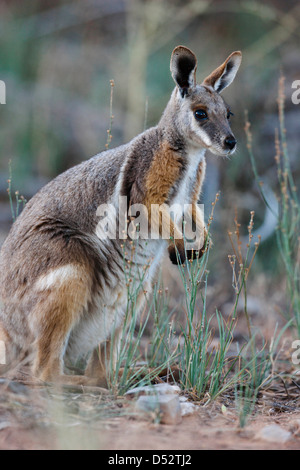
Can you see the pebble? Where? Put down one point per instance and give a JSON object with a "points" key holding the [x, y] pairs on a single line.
{"points": [[274, 433], [167, 406], [4, 425], [187, 408], [158, 389]]}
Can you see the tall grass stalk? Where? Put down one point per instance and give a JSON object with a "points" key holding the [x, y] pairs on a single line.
{"points": [[258, 372], [210, 370], [16, 202], [120, 376], [109, 131], [163, 339], [241, 265], [130, 368], [288, 226], [206, 369]]}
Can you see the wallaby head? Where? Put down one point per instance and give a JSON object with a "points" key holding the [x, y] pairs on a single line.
{"points": [[199, 112]]}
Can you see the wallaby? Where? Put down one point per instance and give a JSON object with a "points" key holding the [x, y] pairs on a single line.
{"points": [[62, 288]]}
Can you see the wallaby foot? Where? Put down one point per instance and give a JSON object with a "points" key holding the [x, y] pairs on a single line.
{"points": [[104, 358]]}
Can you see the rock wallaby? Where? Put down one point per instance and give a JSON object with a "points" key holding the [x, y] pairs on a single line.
{"points": [[62, 287]]}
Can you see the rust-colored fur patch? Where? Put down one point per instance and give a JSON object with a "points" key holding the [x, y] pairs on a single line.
{"points": [[61, 308], [162, 176], [3, 334]]}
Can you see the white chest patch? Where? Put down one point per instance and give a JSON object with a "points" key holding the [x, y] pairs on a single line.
{"points": [[187, 184]]}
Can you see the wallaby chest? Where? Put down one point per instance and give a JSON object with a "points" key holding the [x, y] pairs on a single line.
{"points": [[181, 194]]}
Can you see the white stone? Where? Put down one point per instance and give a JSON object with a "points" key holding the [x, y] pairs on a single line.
{"points": [[274, 433], [166, 406], [187, 408], [158, 389]]}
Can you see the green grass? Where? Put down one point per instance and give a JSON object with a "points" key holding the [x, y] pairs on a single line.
{"points": [[203, 350], [16, 202], [127, 372], [288, 218]]}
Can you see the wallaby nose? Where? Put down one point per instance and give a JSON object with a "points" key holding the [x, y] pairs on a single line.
{"points": [[230, 142]]}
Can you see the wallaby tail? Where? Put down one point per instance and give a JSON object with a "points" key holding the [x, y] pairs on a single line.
{"points": [[12, 357]]}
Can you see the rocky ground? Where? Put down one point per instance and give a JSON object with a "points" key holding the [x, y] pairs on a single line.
{"points": [[40, 418]]}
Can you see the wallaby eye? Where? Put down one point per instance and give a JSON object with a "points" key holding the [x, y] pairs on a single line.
{"points": [[229, 113], [200, 115]]}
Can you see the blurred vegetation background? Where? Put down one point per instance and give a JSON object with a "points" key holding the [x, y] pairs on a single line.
{"points": [[57, 58]]}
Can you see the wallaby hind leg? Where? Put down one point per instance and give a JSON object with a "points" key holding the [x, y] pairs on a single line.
{"points": [[104, 359], [60, 307]]}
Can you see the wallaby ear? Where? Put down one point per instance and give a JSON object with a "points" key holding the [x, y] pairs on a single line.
{"points": [[183, 68], [224, 75]]}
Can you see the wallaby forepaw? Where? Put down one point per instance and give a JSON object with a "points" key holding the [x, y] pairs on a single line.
{"points": [[178, 255]]}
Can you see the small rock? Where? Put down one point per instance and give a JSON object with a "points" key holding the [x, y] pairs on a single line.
{"points": [[18, 388], [168, 407], [274, 433], [4, 425], [295, 427], [158, 389], [187, 408]]}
